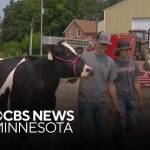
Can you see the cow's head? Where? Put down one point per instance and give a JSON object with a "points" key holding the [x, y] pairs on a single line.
{"points": [[69, 63]]}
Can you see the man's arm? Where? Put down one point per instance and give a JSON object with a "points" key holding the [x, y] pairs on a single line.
{"points": [[113, 97], [138, 93], [109, 103], [137, 88]]}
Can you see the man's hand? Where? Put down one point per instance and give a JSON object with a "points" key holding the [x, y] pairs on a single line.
{"points": [[109, 109], [113, 97], [87, 71], [140, 106], [139, 96], [120, 114]]}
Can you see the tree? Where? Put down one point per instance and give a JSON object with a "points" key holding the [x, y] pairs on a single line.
{"points": [[94, 9], [57, 16], [112, 2], [11, 49], [17, 19], [35, 45], [25, 45]]}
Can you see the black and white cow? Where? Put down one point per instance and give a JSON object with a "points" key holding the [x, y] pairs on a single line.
{"points": [[29, 83]]}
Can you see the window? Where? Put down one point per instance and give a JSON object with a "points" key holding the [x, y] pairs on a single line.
{"points": [[71, 33], [78, 33]]}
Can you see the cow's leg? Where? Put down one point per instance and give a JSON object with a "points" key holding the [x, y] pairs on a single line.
{"points": [[52, 102], [53, 138], [16, 103]]}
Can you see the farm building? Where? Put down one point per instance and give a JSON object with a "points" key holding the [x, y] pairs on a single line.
{"points": [[127, 15], [81, 29]]}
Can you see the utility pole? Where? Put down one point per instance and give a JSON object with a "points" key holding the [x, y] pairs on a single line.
{"points": [[42, 12], [31, 37]]}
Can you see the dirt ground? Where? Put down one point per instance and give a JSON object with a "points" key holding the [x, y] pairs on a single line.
{"points": [[67, 95], [139, 139]]}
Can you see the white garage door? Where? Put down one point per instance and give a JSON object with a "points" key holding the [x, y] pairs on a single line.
{"points": [[140, 23]]}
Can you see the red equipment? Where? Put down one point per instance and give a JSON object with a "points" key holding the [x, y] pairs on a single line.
{"points": [[115, 38], [144, 79]]}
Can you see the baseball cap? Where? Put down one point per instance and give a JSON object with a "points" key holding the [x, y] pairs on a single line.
{"points": [[104, 38]]}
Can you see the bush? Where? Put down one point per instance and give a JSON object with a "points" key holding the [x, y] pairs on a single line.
{"points": [[35, 44], [11, 49]]}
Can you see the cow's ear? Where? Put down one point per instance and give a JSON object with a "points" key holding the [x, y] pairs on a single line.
{"points": [[50, 57]]}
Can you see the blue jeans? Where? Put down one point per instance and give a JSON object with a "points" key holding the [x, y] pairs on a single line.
{"points": [[126, 124], [93, 119]]}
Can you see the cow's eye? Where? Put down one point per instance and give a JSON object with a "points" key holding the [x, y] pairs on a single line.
{"points": [[67, 54]]}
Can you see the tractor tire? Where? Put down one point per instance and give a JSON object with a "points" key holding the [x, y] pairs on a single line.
{"points": [[146, 66], [144, 51], [143, 54]]}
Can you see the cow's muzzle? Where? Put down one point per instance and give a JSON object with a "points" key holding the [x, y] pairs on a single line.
{"points": [[87, 71]]}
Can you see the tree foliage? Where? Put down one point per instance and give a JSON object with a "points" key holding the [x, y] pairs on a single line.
{"points": [[17, 19], [35, 44], [11, 49], [57, 15]]}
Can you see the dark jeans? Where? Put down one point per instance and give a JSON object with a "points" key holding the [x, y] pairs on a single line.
{"points": [[126, 124], [93, 120]]}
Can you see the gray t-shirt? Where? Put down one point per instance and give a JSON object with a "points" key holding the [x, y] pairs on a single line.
{"points": [[93, 88], [127, 72]]}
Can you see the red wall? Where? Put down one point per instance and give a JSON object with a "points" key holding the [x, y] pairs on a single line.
{"points": [[74, 27]]}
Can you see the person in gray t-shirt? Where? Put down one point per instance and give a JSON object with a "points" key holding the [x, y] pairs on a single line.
{"points": [[93, 92], [128, 90]]}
